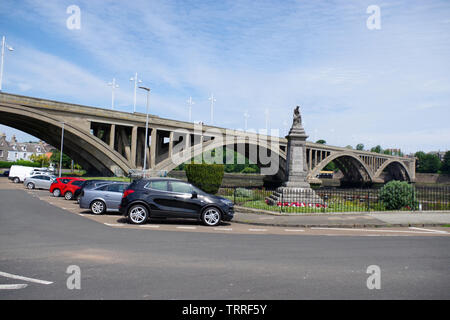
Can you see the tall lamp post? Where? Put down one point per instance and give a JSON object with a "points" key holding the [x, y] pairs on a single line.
{"points": [[114, 87], [190, 102], [212, 99], [4, 45], [62, 146], [246, 116], [136, 81], [146, 128]]}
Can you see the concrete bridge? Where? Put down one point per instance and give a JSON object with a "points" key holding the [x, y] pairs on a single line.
{"points": [[109, 142]]}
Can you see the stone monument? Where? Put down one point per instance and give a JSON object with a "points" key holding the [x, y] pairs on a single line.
{"points": [[295, 189]]}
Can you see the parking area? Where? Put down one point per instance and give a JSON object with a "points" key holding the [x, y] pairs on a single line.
{"points": [[115, 220]]}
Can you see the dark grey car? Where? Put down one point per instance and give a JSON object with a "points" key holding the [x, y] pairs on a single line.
{"points": [[104, 198], [41, 181]]}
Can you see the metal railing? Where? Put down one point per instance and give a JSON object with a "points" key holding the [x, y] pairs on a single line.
{"points": [[341, 200]]}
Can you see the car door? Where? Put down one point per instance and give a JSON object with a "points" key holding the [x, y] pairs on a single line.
{"points": [[45, 182], [183, 203], [113, 195], [157, 195]]}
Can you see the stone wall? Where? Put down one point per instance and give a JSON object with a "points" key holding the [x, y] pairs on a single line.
{"points": [[432, 178]]}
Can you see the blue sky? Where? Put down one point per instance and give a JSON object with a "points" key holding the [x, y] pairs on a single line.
{"points": [[389, 86]]}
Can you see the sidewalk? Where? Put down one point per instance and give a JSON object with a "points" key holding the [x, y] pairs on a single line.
{"points": [[347, 220]]}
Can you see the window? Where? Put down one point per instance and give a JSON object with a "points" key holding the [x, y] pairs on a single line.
{"points": [[116, 187], [77, 182], [181, 187], [1, 153], [157, 185]]}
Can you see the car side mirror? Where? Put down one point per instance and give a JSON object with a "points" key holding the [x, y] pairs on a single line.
{"points": [[194, 195]]}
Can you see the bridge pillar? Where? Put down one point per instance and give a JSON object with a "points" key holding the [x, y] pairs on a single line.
{"points": [[112, 136], [153, 148], [133, 146]]}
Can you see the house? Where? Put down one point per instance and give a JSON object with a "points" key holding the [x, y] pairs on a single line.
{"points": [[13, 150]]}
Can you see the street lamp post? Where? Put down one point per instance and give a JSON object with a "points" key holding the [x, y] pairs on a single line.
{"points": [[62, 146], [212, 99], [4, 45], [146, 128], [246, 116], [190, 108], [114, 86], [136, 81]]}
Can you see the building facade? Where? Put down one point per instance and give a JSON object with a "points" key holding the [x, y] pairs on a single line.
{"points": [[13, 150]]}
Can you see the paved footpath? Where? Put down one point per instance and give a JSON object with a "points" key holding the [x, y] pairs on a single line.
{"points": [[357, 220]]}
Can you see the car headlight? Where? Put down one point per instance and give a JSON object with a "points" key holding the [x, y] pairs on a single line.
{"points": [[227, 202]]}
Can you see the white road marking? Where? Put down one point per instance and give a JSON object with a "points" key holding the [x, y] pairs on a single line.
{"points": [[223, 229], [114, 224], [369, 230], [294, 230], [12, 286], [257, 229], [432, 230], [149, 226], [13, 276], [187, 228]]}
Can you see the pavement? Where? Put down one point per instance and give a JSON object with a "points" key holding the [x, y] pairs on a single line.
{"points": [[347, 220]]}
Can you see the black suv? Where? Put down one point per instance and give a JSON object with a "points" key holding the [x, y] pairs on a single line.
{"points": [[171, 198]]}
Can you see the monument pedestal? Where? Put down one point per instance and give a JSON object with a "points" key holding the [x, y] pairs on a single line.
{"points": [[295, 190]]}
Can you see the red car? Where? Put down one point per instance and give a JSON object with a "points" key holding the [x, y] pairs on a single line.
{"points": [[70, 188], [58, 186]]}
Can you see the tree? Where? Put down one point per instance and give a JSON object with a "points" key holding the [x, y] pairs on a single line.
{"points": [[376, 149], [445, 167], [42, 159], [321, 141], [359, 146], [66, 161], [427, 162], [349, 147]]}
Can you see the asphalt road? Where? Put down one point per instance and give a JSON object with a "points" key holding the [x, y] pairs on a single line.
{"points": [[40, 241]]}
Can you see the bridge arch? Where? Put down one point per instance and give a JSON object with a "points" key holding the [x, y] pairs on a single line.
{"points": [[397, 170], [240, 145], [87, 150], [353, 168]]}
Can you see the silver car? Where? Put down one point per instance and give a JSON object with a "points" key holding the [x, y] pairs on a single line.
{"points": [[103, 198], [40, 181]]}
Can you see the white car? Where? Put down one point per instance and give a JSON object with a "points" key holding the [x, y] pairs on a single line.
{"points": [[19, 173]]}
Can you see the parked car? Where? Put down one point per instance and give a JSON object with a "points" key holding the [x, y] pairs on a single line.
{"points": [[19, 173], [6, 173], [91, 184], [103, 198], [70, 188], [57, 186], [40, 181], [172, 198]]}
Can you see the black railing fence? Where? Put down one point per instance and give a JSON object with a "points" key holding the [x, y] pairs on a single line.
{"points": [[407, 198]]}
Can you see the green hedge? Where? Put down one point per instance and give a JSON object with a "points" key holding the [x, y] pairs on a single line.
{"points": [[207, 177], [8, 164], [396, 195]]}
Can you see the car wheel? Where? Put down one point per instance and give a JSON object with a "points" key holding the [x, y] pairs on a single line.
{"points": [[30, 185], [56, 193], [68, 195], [98, 207], [16, 180], [138, 214], [211, 216]]}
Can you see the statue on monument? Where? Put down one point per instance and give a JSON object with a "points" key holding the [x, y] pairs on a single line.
{"points": [[297, 118]]}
